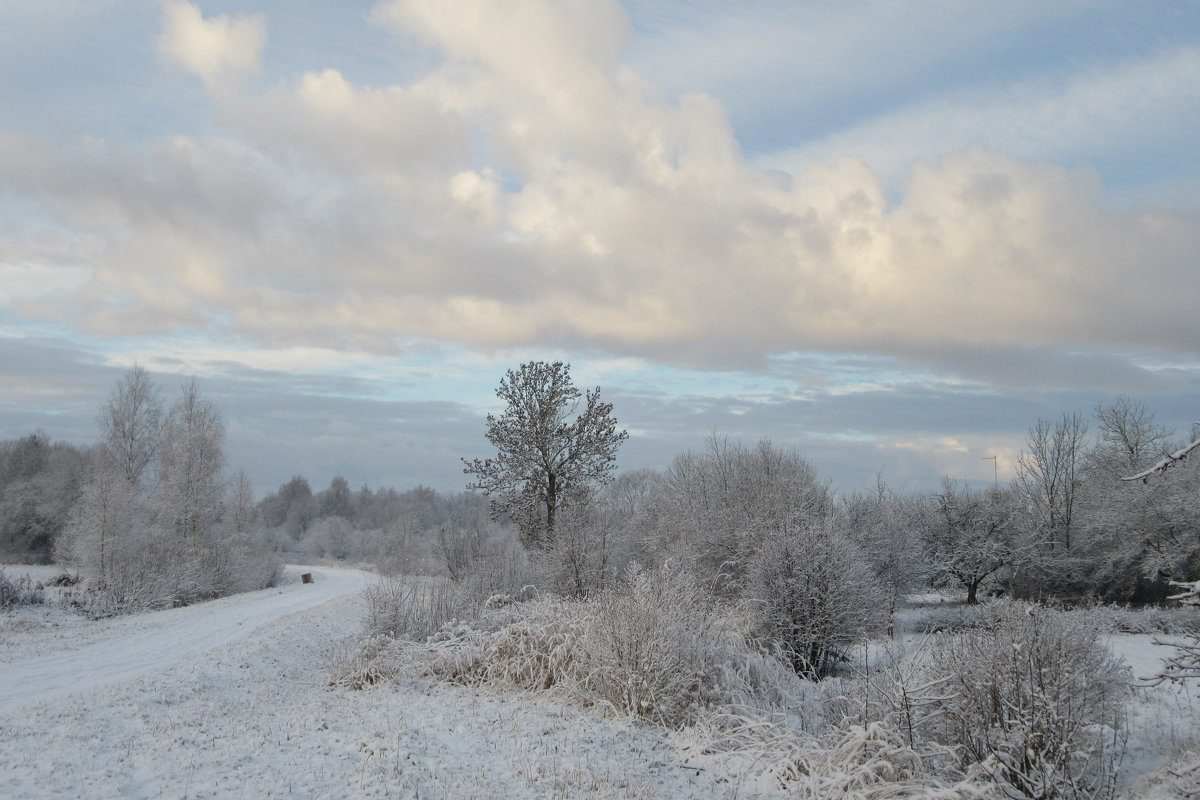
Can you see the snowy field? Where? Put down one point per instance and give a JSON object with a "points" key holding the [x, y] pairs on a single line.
{"points": [[231, 699]]}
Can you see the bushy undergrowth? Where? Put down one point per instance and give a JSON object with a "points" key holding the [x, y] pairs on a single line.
{"points": [[649, 647], [1019, 701], [1031, 693], [19, 592], [873, 762], [416, 608], [1149, 619]]}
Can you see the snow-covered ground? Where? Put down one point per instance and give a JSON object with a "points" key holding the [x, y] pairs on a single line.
{"points": [[83, 658], [230, 699]]}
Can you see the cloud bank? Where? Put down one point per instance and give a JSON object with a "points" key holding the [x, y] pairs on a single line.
{"points": [[530, 189]]}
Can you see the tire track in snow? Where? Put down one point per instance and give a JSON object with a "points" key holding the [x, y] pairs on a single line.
{"points": [[145, 643]]}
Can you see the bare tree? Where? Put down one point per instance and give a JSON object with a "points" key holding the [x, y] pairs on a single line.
{"points": [[130, 423], [544, 460], [1128, 434], [1049, 474], [191, 460]]}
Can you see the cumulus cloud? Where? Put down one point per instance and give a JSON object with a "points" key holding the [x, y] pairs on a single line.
{"points": [[214, 49], [530, 189]]}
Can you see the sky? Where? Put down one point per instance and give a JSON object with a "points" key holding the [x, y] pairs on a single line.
{"points": [[891, 235]]}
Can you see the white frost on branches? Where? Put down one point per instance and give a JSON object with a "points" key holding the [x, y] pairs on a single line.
{"points": [[1168, 461]]}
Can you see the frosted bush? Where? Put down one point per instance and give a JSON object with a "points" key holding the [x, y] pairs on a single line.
{"points": [[366, 662], [1036, 694], [648, 648], [18, 592], [872, 762], [415, 608], [814, 595]]}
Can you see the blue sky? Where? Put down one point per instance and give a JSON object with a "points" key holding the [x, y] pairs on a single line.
{"points": [[890, 234]]}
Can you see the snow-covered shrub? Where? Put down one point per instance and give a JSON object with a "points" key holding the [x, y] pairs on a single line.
{"points": [[873, 762], [19, 592], [1146, 619], [648, 647], [814, 596], [539, 649], [364, 662], [415, 608], [1035, 694], [504, 568], [652, 647]]}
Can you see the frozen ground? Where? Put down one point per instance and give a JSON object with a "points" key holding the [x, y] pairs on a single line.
{"points": [[229, 699]]}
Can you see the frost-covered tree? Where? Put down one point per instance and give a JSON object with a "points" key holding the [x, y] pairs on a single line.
{"points": [[292, 507], [336, 501], [176, 539], [1129, 531], [39, 482], [883, 525], [241, 512], [967, 536], [719, 505], [545, 459], [130, 426], [106, 516], [191, 459]]}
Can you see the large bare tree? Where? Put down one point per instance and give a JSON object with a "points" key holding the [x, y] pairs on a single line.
{"points": [[545, 460]]}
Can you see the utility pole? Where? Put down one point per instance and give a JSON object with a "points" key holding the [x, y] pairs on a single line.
{"points": [[995, 469]]}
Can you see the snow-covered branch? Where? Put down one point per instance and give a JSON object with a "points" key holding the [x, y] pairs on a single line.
{"points": [[1168, 461]]}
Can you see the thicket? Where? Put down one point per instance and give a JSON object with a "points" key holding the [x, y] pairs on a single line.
{"points": [[155, 522]]}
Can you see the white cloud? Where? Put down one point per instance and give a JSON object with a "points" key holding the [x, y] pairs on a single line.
{"points": [[214, 49], [531, 191]]}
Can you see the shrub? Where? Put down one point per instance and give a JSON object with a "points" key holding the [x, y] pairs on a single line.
{"points": [[19, 592], [1036, 694], [648, 647], [414, 609], [813, 593], [872, 762]]}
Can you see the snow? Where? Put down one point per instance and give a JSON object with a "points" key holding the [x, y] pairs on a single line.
{"points": [[118, 650], [230, 699]]}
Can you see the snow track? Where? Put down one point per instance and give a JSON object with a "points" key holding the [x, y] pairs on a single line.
{"points": [[120, 650]]}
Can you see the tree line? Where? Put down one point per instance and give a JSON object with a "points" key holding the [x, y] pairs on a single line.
{"points": [[153, 498]]}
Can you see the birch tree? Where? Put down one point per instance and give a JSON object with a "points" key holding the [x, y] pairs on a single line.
{"points": [[191, 459], [130, 424]]}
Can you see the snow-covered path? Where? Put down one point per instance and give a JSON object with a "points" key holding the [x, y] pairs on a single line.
{"points": [[123, 649]]}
